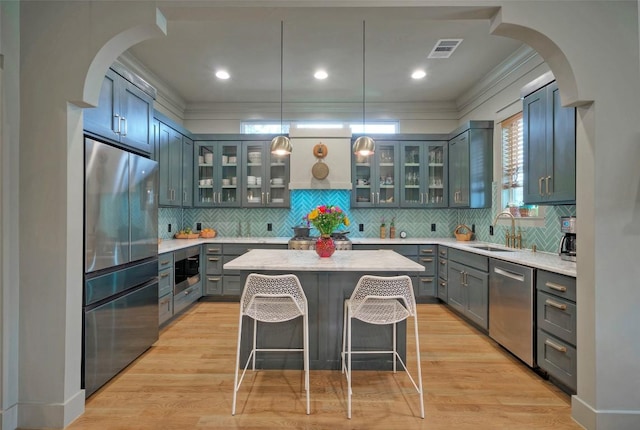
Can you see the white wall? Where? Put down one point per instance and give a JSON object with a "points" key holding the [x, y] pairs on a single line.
{"points": [[9, 217]]}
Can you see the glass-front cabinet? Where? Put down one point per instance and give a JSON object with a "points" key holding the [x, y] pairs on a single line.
{"points": [[217, 176], [423, 174], [265, 176], [375, 177]]}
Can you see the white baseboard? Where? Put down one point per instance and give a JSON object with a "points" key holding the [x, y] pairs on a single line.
{"points": [[9, 418], [593, 419], [51, 415]]}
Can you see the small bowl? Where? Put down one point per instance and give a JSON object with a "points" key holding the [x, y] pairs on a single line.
{"points": [[226, 182]]}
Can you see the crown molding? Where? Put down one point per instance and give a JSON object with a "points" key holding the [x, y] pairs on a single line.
{"points": [[517, 64]]}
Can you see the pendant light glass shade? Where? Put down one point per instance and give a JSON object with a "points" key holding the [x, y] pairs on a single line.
{"points": [[363, 145], [280, 145]]}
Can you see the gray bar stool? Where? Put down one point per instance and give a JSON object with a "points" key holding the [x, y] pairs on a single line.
{"points": [[382, 301], [272, 299]]}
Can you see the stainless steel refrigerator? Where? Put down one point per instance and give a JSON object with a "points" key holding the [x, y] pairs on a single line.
{"points": [[120, 318]]}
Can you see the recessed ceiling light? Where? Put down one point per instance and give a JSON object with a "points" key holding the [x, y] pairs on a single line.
{"points": [[222, 74], [418, 74], [320, 75]]}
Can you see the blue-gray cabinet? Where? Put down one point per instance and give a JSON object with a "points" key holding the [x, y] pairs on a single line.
{"points": [[124, 112], [443, 265], [423, 174], [549, 148], [470, 165], [217, 175], [265, 176], [556, 319], [468, 286], [375, 177], [174, 154]]}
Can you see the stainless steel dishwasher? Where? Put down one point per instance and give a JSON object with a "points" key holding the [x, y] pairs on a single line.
{"points": [[511, 311]]}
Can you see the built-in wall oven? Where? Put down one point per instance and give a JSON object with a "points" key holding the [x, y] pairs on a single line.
{"points": [[187, 268]]}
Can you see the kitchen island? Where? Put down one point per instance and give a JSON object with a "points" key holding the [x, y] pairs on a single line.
{"points": [[327, 282]]}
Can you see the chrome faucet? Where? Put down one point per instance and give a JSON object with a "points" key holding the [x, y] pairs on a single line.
{"points": [[511, 240]]}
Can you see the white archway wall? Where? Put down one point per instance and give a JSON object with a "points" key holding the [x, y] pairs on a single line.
{"points": [[50, 280], [9, 218], [60, 41]]}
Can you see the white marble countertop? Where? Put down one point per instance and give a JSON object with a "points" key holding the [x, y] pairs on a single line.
{"points": [[380, 260], [538, 260]]}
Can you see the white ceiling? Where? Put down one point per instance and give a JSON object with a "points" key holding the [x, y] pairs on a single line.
{"points": [[246, 42]]}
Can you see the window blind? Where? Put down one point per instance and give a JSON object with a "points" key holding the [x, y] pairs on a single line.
{"points": [[512, 152]]}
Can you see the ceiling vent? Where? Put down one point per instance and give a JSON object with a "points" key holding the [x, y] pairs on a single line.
{"points": [[444, 48]]}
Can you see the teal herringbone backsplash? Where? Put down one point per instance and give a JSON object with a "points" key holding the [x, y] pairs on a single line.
{"points": [[416, 222]]}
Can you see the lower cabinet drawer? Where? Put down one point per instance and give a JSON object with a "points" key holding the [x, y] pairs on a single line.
{"points": [[442, 267], [165, 304], [186, 297], [557, 316], [427, 286], [429, 263], [165, 282], [212, 285], [231, 285], [558, 358], [442, 289]]}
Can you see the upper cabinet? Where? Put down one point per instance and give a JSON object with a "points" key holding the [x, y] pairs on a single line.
{"points": [[174, 154], [549, 148], [217, 177], [470, 165], [423, 174], [375, 177], [265, 176], [124, 113]]}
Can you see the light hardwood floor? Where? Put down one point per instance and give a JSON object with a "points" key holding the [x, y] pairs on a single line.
{"points": [[185, 381]]}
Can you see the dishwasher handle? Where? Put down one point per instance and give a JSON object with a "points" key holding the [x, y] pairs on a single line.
{"points": [[515, 276]]}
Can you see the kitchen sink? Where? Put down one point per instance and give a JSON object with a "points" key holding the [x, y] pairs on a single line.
{"points": [[491, 248]]}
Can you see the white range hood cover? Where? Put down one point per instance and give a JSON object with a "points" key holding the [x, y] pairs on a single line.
{"points": [[338, 159]]}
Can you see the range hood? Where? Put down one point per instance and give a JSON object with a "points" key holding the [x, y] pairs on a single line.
{"points": [[337, 159]]}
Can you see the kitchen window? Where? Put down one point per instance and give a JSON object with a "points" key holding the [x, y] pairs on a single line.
{"points": [[266, 127], [513, 168]]}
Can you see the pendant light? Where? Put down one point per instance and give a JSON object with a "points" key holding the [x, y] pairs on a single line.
{"points": [[281, 145], [364, 145]]}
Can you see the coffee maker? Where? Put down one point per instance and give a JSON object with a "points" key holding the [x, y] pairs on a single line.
{"points": [[567, 249]]}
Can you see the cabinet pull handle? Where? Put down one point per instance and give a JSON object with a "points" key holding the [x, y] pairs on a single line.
{"points": [[443, 253], [187, 292], [214, 259], [193, 258], [164, 302], [162, 263], [556, 305], [427, 251], [547, 185], [540, 185], [378, 197], [211, 250], [555, 346], [556, 287], [184, 195], [508, 274], [443, 263], [426, 280], [117, 119], [443, 284], [262, 198], [373, 198], [123, 119], [164, 275], [427, 260], [421, 198], [217, 279], [268, 198]]}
